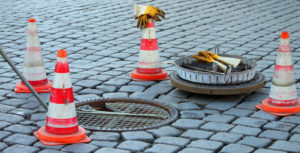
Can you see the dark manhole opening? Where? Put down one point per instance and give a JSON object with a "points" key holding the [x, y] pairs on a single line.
{"points": [[124, 114]]}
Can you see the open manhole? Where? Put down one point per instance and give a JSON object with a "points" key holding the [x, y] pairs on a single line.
{"points": [[124, 114]]}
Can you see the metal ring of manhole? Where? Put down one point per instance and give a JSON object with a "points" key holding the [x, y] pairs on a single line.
{"points": [[124, 114], [256, 83]]}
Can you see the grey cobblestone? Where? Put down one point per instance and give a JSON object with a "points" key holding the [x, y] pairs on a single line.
{"points": [[275, 125], [42, 146], [196, 134], [139, 135], [142, 95], [106, 88], [188, 106], [206, 144], [255, 142], [50, 151], [238, 112], [192, 114], [247, 121], [164, 88], [112, 150], [267, 151], [90, 91], [20, 148], [115, 95], [22, 111], [179, 93], [6, 108], [201, 99], [88, 83], [158, 148], [296, 130], [291, 119], [225, 103], [131, 88], [248, 105], [4, 124], [219, 118], [226, 137], [80, 148], [38, 116], [237, 148], [246, 130], [193, 150], [31, 105], [117, 82], [20, 139], [272, 134], [165, 131], [169, 99], [187, 123], [11, 118], [181, 142], [135, 146], [104, 143], [257, 97], [295, 138], [215, 126], [4, 134], [264, 115], [106, 136], [2, 146], [285, 146], [21, 129]]}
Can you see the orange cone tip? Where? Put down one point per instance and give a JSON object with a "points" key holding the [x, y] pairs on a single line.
{"points": [[62, 53], [285, 35], [31, 20]]}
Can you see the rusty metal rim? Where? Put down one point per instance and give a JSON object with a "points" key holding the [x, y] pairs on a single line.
{"points": [[256, 83], [101, 102]]}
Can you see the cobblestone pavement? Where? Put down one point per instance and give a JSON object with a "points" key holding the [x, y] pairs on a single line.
{"points": [[103, 45]]}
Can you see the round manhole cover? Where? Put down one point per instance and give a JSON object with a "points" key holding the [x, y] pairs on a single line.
{"points": [[123, 114]]}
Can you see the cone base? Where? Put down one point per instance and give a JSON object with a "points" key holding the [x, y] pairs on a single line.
{"points": [[60, 139], [149, 77], [22, 88], [279, 110]]}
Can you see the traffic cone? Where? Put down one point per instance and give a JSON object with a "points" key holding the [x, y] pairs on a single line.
{"points": [[282, 99], [149, 66], [33, 66], [61, 125]]}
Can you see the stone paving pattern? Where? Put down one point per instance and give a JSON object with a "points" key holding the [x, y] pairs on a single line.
{"points": [[103, 45]]}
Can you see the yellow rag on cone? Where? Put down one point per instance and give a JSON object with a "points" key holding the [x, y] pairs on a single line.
{"points": [[142, 13]]}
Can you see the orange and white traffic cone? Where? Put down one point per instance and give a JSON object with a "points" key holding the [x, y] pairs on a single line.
{"points": [[149, 66], [61, 125], [282, 99], [33, 66]]}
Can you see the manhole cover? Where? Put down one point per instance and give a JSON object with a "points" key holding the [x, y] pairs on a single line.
{"points": [[124, 114]]}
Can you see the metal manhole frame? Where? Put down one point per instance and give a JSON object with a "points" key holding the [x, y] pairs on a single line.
{"points": [[173, 112], [215, 78], [243, 88]]}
